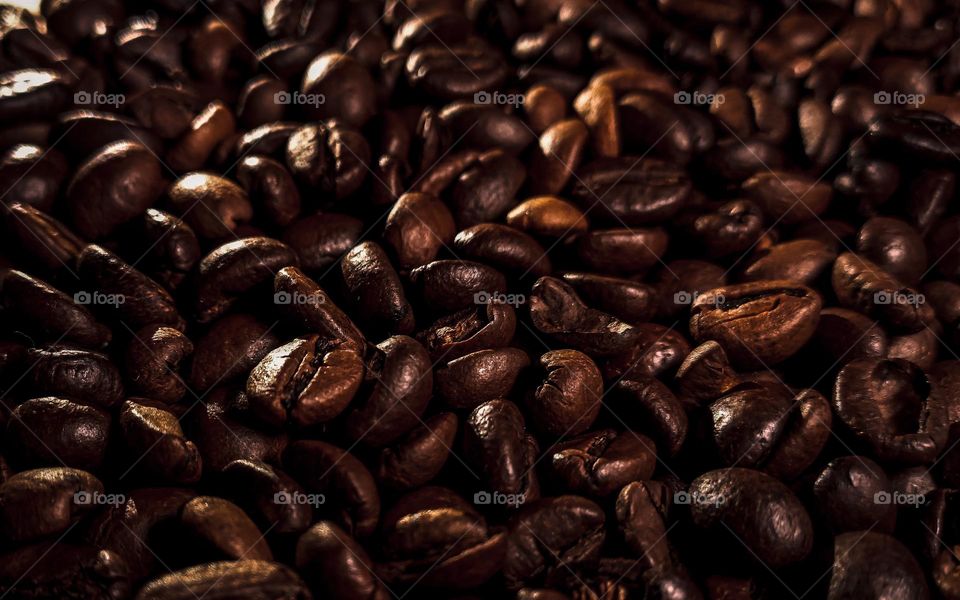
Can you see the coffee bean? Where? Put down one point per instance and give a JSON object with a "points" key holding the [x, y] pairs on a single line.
{"points": [[153, 436], [497, 445], [254, 577], [568, 399], [337, 564], [757, 323], [469, 380], [376, 291], [45, 431], [601, 463], [419, 456], [153, 359], [855, 566], [39, 503]]}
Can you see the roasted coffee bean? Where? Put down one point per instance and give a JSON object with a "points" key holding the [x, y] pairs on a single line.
{"points": [[861, 556], [557, 310], [153, 435], [334, 562], [420, 455], [265, 493], [313, 309], [568, 399], [922, 135], [451, 285], [344, 86], [506, 248], [486, 190], [895, 247], [270, 188], [457, 71], [761, 512], [885, 403], [497, 445], [621, 250], [862, 285], [480, 376], [234, 269], [561, 149], [213, 206], [112, 187], [650, 406], [32, 93], [551, 535], [214, 124], [219, 527], [32, 176], [853, 494], [757, 323], [320, 240], [399, 380], [46, 432], [65, 569], [117, 287], [49, 313], [223, 438], [232, 346], [256, 578], [341, 479], [328, 158], [306, 382], [548, 216], [600, 463], [171, 248], [46, 502], [632, 191], [82, 375], [376, 291], [152, 362], [418, 226], [49, 243], [803, 261], [491, 325]]}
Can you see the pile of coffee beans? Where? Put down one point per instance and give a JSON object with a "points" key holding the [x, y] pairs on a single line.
{"points": [[468, 299]]}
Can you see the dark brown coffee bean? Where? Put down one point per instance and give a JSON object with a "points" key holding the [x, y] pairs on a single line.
{"points": [[568, 399], [480, 376], [851, 492], [375, 290], [632, 191], [399, 380], [170, 248], [344, 482], [49, 313], [136, 299], [320, 240], [788, 197], [757, 323], [417, 227], [305, 382], [548, 216], [222, 438], [554, 534], [157, 445], [30, 93], [32, 176], [597, 106], [598, 464], [419, 456], [88, 377], [220, 527], [343, 87], [46, 502], [505, 248], [235, 268], [456, 71], [231, 347], [860, 557], [485, 191], [561, 149], [65, 569], [491, 325], [761, 512], [329, 158], [433, 526], [451, 285], [47, 241], [862, 285], [557, 310], [305, 304], [256, 578], [46, 432], [335, 563], [621, 250], [270, 187], [802, 261], [653, 408], [497, 444], [214, 124], [112, 187], [213, 206], [153, 360], [895, 247]]}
